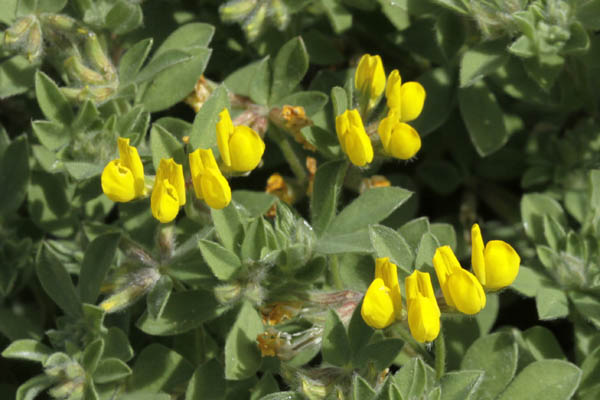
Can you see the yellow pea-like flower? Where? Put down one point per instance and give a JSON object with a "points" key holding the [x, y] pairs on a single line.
{"points": [[241, 147], [169, 191], [398, 139], [423, 311], [209, 183], [382, 304], [497, 265], [461, 288], [123, 179], [353, 138], [369, 77], [406, 99]]}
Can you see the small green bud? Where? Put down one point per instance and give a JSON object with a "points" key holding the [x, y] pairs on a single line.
{"points": [[71, 389], [139, 283], [78, 71], [280, 14], [228, 293], [253, 25], [236, 10], [17, 33], [97, 57], [33, 46], [60, 22]]}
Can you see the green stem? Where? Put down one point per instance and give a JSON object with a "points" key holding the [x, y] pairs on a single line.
{"points": [[334, 268], [292, 158], [440, 355], [403, 333]]}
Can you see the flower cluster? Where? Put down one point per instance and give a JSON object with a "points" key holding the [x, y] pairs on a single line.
{"points": [[404, 104], [240, 148], [496, 266]]}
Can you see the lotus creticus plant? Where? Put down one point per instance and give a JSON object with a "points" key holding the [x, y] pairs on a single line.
{"points": [[209, 183], [398, 139], [241, 147], [460, 287], [353, 138], [423, 310], [497, 265], [405, 100], [382, 304], [123, 179], [169, 191]]}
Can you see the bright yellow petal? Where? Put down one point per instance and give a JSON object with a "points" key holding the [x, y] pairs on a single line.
{"points": [[215, 189], [466, 292], [378, 308], [388, 272], [171, 171], [358, 148], [405, 142], [392, 91], [246, 149], [118, 183], [131, 159], [361, 76], [341, 127], [502, 264], [164, 201], [196, 169], [377, 78], [224, 131], [385, 130], [424, 319], [413, 99], [477, 260]]}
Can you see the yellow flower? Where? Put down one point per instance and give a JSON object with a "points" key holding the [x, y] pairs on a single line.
{"points": [[460, 287], [497, 265], [352, 136], [123, 178], [369, 77], [407, 99], [209, 182], [169, 191], [423, 311], [382, 303], [241, 147], [398, 139]]}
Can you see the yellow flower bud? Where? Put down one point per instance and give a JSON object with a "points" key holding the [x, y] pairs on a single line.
{"points": [[497, 265], [407, 99], [209, 182], [169, 191], [353, 138], [397, 138], [382, 303], [123, 179], [460, 287], [241, 147], [423, 311], [370, 76]]}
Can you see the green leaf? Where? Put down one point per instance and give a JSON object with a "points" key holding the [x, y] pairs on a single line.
{"points": [[397, 13], [544, 69], [551, 303], [116, 345], [111, 370], [159, 368], [265, 386], [427, 246], [590, 368], [255, 239], [483, 118], [207, 383], [164, 91], [481, 60], [242, 357], [460, 385], [588, 13], [157, 298], [289, 67], [14, 175], [359, 332], [124, 17], [159, 64], [27, 349], [56, 282], [91, 355], [97, 260], [548, 379], [496, 355], [356, 242], [529, 281], [339, 17], [229, 226], [187, 37], [311, 101], [53, 103], [52, 135], [445, 234], [411, 379], [381, 353], [34, 386], [533, 208], [256, 203], [222, 262], [17, 75], [370, 207], [361, 390], [339, 99], [16, 326], [336, 345], [439, 84], [389, 243], [184, 311], [260, 84], [164, 145], [414, 230], [204, 130], [454, 5], [133, 59], [327, 186], [542, 344]]}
